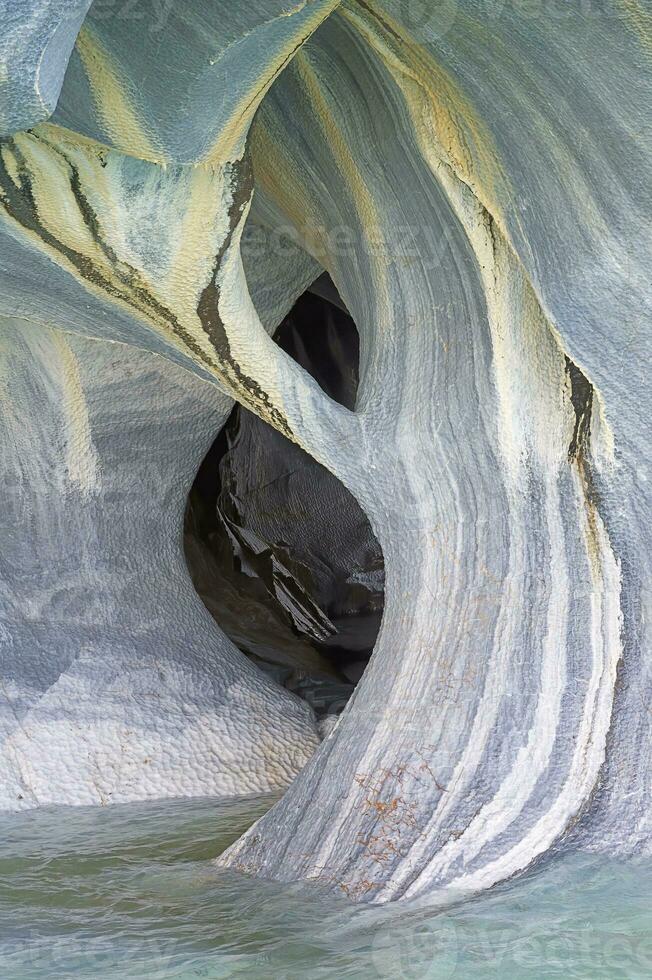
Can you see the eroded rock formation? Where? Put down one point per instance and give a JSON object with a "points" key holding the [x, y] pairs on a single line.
{"points": [[474, 182]]}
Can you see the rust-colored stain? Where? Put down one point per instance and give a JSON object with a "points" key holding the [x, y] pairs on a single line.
{"points": [[394, 814]]}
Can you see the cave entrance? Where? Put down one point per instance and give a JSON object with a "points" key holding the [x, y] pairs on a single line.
{"points": [[279, 551]]}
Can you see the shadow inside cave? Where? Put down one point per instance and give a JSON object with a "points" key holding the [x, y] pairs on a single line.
{"points": [[278, 549]]}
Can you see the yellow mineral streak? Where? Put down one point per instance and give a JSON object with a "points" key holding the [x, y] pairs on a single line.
{"points": [[461, 154], [49, 170], [55, 205], [192, 202], [339, 148], [231, 141], [113, 100], [81, 459], [464, 141], [291, 193], [640, 20], [201, 233], [363, 200]]}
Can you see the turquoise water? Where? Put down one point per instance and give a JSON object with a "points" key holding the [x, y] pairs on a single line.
{"points": [[129, 892]]}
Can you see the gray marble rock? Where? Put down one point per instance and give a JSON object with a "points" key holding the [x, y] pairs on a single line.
{"points": [[474, 176]]}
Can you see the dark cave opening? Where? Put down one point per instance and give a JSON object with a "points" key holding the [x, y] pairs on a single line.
{"points": [[279, 551]]}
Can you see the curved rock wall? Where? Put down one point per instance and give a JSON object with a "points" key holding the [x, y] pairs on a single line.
{"points": [[117, 683], [475, 182], [478, 733]]}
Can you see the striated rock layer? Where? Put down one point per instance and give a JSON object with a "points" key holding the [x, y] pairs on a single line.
{"points": [[474, 182]]}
